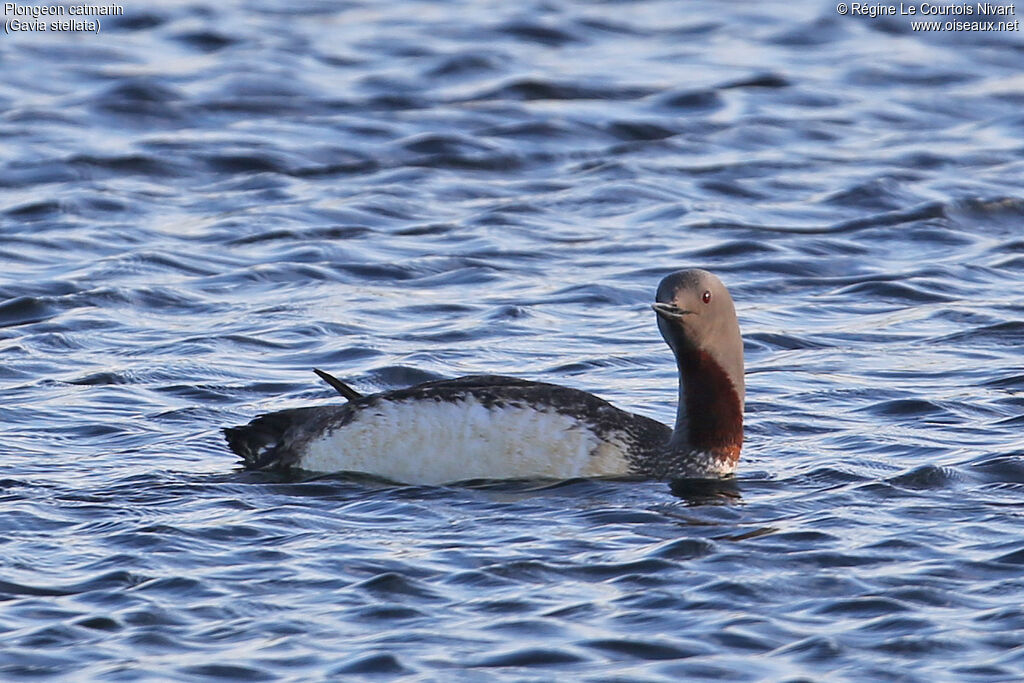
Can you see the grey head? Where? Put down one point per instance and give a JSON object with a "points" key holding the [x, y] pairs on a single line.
{"points": [[696, 313], [697, 318]]}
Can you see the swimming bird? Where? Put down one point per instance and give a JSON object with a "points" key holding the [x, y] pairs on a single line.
{"points": [[495, 427]]}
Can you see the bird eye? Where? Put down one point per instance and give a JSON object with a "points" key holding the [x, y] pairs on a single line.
{"points": [[706, 297]]}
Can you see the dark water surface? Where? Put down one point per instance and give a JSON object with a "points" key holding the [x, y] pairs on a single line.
{"points": [[202, 202]]}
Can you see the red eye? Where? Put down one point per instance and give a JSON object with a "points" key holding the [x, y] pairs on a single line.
{"points": [[706, 297]]}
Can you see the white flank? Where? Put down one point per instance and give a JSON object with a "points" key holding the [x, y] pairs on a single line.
{"points": [[438, 442]]}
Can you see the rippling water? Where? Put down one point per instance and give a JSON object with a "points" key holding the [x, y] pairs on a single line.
{"points": [[202, 202]]}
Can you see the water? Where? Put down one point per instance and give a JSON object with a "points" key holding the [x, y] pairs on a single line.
{"points": [[202, 202]]}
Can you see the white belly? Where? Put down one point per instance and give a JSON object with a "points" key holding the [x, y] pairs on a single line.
{"points": [[438, 442]]}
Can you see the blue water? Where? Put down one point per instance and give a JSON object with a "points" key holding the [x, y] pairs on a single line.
{"points": [[204, 201]]}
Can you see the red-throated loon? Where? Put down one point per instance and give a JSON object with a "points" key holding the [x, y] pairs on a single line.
{"points": [[493, 427]]}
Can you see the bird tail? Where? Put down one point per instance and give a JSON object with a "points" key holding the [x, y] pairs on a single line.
{"points": [[265, 443]]}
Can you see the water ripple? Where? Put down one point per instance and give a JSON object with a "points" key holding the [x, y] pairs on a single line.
{"points": [[204, 204]]}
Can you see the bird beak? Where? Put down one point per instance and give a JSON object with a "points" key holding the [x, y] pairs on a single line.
{"points": [[669, 311]]}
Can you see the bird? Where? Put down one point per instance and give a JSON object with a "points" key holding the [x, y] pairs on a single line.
{"points": [[498, 427]]}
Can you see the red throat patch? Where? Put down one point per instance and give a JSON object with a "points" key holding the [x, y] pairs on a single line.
{"points": [[714, 415]]}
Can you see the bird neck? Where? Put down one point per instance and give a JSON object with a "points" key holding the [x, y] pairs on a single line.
{"points": [[709, 417]]}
